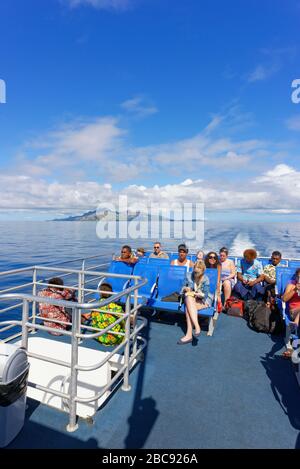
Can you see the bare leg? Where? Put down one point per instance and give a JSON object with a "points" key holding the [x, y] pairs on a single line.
{"points": [[191, 318], [227, 289], [295, 316]]}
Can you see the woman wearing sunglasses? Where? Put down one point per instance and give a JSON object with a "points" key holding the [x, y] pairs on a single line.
{"points": [[212, 262]]}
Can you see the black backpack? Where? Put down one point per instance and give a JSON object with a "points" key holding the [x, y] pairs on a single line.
{"points": [[261, 318]]}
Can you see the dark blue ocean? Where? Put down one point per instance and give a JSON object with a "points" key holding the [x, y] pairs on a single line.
{"points": [[34, 243]]}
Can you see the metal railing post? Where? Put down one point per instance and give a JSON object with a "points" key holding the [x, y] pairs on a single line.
{"points": [[80, 287], [25, 314], [34, 293], [135, 302], [72, 425], [126, 386]]}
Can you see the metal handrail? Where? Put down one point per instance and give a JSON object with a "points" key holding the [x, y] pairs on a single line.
{"points": [[28, 323]]}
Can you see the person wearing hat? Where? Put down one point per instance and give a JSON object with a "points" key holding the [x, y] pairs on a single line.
{"points": [[182, 259], [140, 252]]}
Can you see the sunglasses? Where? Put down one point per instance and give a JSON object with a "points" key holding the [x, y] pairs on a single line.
{"points": [[212, 257], [156, 247]]}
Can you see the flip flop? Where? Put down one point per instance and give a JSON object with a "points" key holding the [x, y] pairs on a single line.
{"points": [[287, 354], [183, 342]]}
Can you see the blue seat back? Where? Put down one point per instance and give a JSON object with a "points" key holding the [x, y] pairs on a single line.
{"points": [[117, 267], [170, 280], [264, 262], [150, 272], [212, 274], [283, 276], [294, 264], [143, 260], [157, 262]]}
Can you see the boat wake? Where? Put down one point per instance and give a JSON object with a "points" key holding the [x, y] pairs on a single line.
{"points": [[241, 242]]}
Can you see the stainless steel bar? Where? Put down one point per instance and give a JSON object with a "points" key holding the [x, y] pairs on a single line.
{"points": [[49, 390], [72, 304], [34, 293], [19, 287], [25, 314], [16, 271], [10, 308], [48, 359], [72, 426], [126, 386]]}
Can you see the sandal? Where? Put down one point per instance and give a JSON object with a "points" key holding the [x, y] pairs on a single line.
{"points": [[287, 354]]}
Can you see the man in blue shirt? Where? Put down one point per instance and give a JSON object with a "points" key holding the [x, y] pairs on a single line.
{"points": [[249, 277]]}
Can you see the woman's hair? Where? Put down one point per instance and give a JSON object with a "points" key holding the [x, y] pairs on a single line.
{"points": [[297, 273], [141, 250], [56, 281], [250, 254], [200, 250], [207, 260], [223, 249], [200, 265]]}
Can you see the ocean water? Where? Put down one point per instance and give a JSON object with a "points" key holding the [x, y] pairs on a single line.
{"points": [[34, 243], [28, 243]]}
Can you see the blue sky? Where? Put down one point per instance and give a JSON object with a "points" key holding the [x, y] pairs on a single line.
{"points": [[156, 99]]}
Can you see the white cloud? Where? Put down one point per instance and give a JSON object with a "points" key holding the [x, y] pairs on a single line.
{"points": [[102, 4], [139, 106], [76, 165], [277, 190], [262, 72]]}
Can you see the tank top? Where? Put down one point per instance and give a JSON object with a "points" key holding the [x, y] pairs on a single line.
{"points": [[187, 263], [295, 300]]}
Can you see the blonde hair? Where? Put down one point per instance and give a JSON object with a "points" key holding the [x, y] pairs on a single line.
{"points": [[200, 265]]}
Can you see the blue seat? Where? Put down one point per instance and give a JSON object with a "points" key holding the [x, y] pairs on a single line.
{"points": [[150, 272], [118, 284], [170, 280], [283, 276], [143, 260], [159, 261], [294, 264]]}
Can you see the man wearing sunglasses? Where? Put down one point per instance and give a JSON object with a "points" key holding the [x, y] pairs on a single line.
{"points": [[158, 253]]}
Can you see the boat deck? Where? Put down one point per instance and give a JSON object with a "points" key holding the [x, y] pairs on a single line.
{"points": [[231, 390]]}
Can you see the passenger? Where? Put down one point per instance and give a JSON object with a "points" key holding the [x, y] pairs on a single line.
{"points": [[269, 273], [249, 276], [158, 253], [212, 262], [292, 297], [200, 255], [127, 255], [196, 297], [228, 273], [140, 252], [103, 317], [182, 257], [55, 290]]}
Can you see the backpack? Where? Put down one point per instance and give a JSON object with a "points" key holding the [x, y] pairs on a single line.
{"points": [[261, 318], [234, 307]]}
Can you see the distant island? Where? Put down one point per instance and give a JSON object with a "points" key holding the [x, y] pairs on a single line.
{"points": [[108, 215]]}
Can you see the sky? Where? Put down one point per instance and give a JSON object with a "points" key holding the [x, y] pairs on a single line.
{"points": [[159, 100]]}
